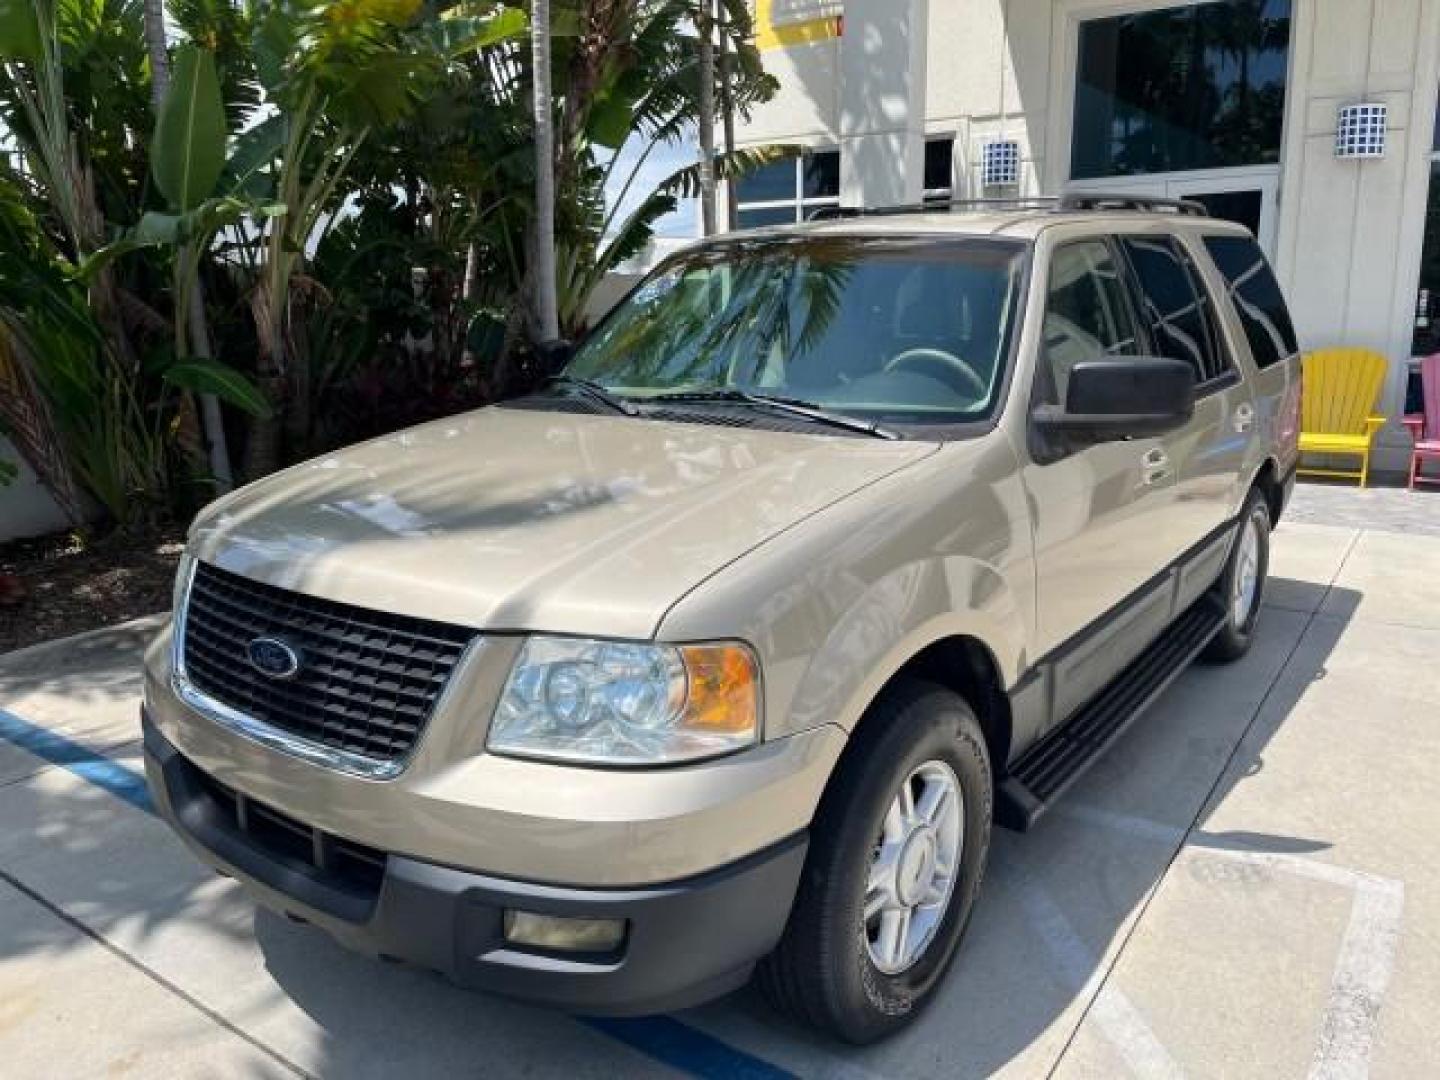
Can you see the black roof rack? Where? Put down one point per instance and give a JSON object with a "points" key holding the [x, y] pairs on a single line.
{"points": [[933, 206], [1069, 202], [1084, 200]]}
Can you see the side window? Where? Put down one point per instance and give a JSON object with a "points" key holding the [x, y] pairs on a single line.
{"points": [[1257, 298], [1087, 314], [1175, 307]]}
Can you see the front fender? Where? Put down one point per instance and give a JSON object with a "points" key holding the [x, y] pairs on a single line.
{"points": [[837, 604], [893, 620]]}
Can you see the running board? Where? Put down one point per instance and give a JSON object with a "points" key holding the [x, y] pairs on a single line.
{"points": [[1058, 760]]}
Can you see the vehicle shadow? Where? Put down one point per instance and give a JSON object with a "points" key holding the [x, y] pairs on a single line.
{"points": [[1059, 901]]}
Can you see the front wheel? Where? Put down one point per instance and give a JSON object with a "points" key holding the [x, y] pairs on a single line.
{"points": [[1242, 586], [897, 854]]}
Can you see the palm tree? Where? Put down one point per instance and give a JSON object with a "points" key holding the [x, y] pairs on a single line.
{"points": [[211, 417], [547, 304], [705, 109], [727, 114]]}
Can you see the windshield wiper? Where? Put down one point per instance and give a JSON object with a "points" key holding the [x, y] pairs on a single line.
{"points": [[593, 391], [791, 406]]}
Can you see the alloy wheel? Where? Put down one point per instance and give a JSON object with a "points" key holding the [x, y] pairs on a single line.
{"points": [[913, 867]]}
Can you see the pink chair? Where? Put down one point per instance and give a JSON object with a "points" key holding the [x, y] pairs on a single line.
{"points": [[1425, 428]]}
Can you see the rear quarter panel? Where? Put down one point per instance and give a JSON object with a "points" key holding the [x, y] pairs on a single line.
{"points": [[1275, 390]]}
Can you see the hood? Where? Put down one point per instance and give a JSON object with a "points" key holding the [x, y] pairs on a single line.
{"points": [[516, 519]]}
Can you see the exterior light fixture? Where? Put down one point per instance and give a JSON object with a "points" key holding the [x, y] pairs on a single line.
{"points": [[1000, 163], [1360, 131]]}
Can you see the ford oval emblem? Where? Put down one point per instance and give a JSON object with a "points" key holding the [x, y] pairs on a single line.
{"points": [[274, 657]]}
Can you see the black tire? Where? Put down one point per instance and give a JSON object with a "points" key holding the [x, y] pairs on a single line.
{"points": [[1235, 636], [822, 973]]}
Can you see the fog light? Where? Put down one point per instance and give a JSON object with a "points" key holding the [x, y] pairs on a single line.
{"points": [[562, 934]]}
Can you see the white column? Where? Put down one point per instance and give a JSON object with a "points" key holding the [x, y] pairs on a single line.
{"points": [[1350, 231], [882, 102]]}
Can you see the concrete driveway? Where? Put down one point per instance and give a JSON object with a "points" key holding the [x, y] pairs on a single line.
{"points": [[1248, 885]]}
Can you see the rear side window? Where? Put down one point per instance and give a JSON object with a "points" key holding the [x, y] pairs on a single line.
{"points": [[1175, 307], [1257, 298]]}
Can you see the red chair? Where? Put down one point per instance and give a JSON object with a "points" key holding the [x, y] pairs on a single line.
{"points": [[1425, 428]]}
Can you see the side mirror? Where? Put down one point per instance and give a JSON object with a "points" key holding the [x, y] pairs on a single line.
{"points": [[1121, 398], [552, 356]]}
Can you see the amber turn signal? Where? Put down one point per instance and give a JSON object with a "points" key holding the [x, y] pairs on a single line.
{"points": [[723, 690]]}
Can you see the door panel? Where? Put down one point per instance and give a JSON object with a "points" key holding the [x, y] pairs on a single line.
{"points": [[1102, 520], [1101, 534], [1183, 322]]}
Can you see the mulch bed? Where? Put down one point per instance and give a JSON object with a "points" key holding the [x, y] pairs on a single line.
{"points": [[53, 586]]}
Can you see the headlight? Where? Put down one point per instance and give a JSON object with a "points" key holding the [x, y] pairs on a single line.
{"points": [[622, 703]]}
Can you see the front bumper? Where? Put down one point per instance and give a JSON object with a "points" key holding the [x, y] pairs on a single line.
{"points": [[686, 942]]}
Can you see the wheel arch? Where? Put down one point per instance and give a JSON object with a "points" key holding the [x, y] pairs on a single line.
{"points": [[968, 667], [1267, 482]]}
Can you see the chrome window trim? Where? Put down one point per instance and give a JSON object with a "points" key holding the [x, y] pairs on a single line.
{"points": [[272, 738]]}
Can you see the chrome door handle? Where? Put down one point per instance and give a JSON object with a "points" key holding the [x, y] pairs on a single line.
{"points": [[1244, 416]]}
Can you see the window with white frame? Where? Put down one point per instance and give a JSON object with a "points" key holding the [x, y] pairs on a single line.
{"points": [[785, 192], [940, 170]]}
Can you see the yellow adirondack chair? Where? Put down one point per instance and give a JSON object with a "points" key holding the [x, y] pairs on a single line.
{"points": [[1342, 388]]}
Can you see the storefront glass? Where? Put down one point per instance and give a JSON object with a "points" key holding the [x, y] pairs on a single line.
{"points": [[1185, 88], [1427, 305]]}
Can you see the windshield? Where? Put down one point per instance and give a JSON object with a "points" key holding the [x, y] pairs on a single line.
{"points": [[903, 331]]}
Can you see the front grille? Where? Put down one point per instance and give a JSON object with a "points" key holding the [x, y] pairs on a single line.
{"points": [[367, 681]]}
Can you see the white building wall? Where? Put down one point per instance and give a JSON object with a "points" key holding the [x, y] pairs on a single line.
{"points": [[989, 78], [26, 508], [882, 102], [1349, 234]]}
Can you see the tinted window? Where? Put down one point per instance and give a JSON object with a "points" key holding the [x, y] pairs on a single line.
{"points": [[1256, 296], [1194, 87], [1427, 308], [1087, 314], [1242, 207], [1174, 305], [822, 174], [761, 216], [939, 161], [769, 183]]}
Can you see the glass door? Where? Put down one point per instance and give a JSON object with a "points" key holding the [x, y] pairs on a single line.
{"points": [[1248, 195]]}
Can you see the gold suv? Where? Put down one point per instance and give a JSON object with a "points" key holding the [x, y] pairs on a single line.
{"points": [[718, 656]]}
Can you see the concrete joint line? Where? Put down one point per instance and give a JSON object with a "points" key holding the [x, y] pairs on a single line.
{"points": [[1367, 949], [154, 976]]}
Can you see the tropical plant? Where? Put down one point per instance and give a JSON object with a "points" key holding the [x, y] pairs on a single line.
{"points": [[321, 217], [72, 85], [635, 77], [88, 331], [704, 19], [192, 326]]}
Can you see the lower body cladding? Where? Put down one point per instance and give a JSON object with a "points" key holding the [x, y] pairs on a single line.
{"points": [[599, 951]]}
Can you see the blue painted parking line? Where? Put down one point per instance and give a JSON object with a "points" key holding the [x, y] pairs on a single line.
{"points": [[683, 1047], [85, 763], [663, 1038]]}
